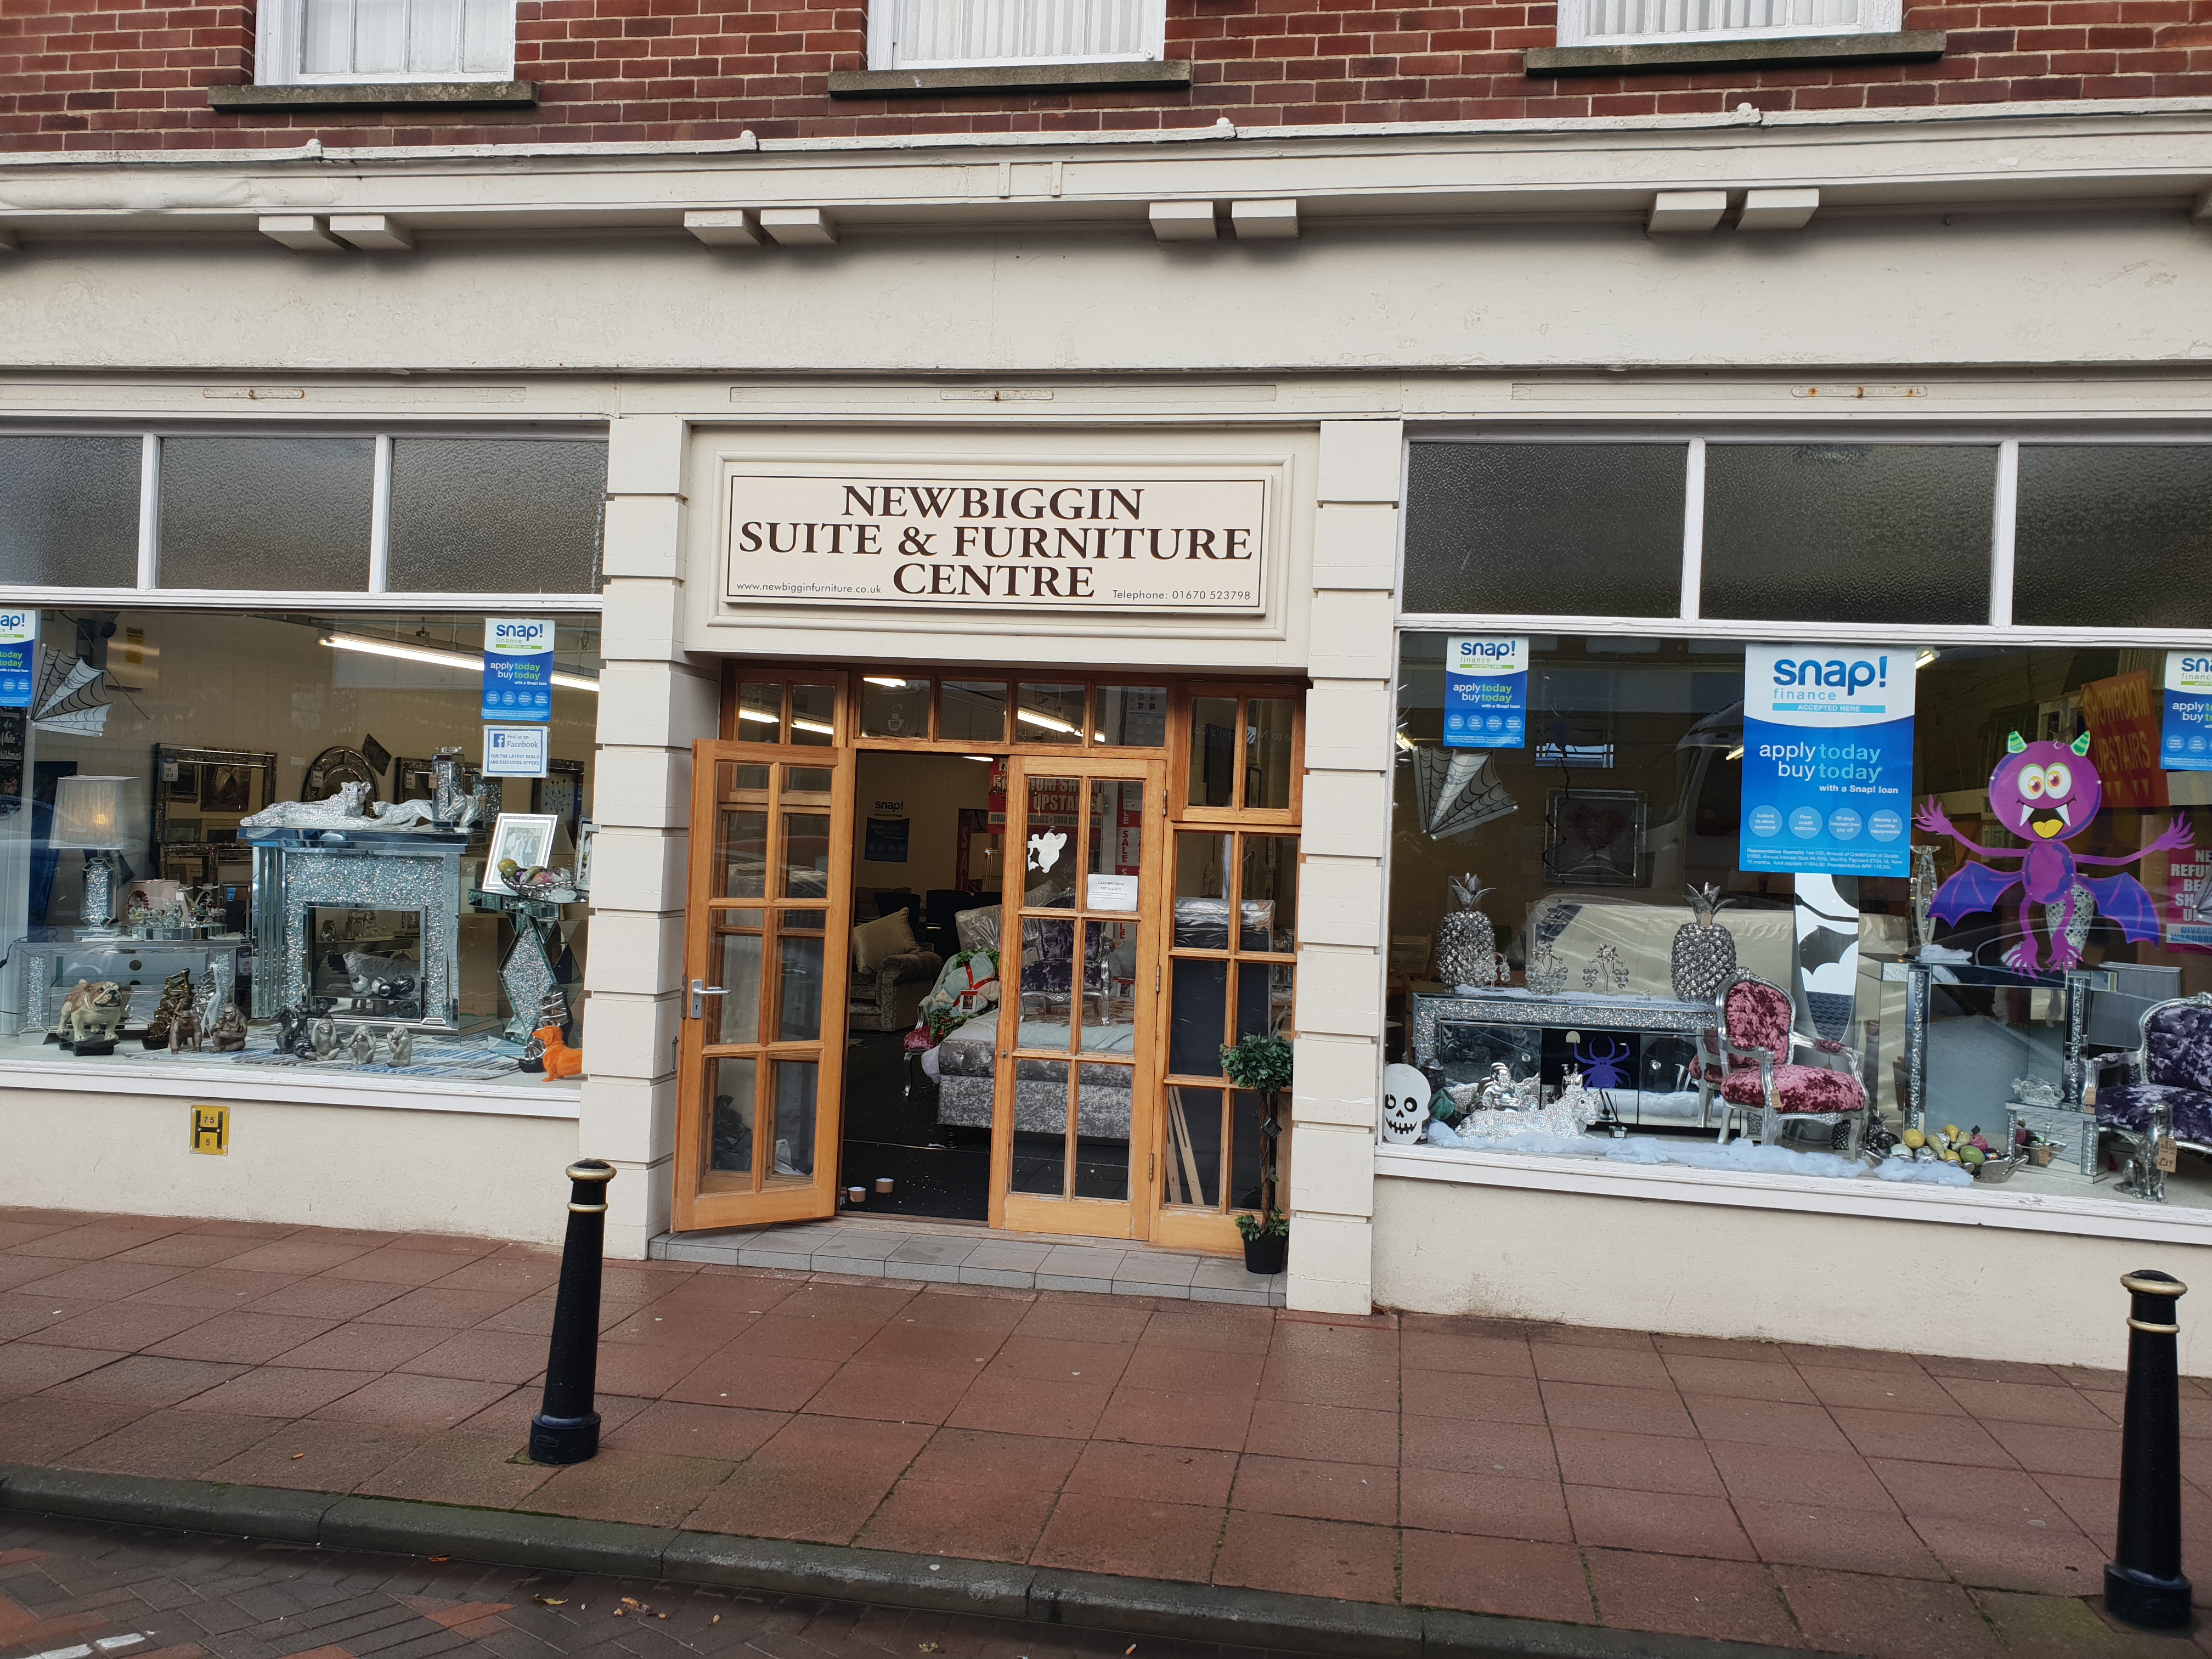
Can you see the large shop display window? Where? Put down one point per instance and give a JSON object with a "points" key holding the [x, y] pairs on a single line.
{"points": [[1934, 911], [265, 840]]}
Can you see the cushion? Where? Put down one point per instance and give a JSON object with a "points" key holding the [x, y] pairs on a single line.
{"points": [[2129, 1107], [1797, 1089], [1758, 1017], [2178, 1049], [875, 943]]}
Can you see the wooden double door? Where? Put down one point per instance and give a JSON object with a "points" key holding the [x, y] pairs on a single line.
{"points": [[1073, 1082], [1115, 868]]}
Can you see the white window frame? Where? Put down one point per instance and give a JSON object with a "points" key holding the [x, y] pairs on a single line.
{"points": [[280, 41], [376, 595], [1875, 17], [887, 22]]}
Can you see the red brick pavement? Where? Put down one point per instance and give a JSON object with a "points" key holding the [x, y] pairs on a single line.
{"points": [[1845, 1500]]}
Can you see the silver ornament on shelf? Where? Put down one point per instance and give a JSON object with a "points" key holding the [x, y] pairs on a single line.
{"points": [[1467, 943], [1703, 957]]}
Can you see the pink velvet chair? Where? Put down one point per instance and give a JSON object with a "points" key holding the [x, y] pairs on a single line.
{"points": [[1758, 1037]]}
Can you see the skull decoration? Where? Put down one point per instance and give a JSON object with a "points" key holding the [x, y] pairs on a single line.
{"points": [[1405, 1104]]}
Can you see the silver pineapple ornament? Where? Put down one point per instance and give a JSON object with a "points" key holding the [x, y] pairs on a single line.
{"points": [[1466, 943], [1703, 958]]}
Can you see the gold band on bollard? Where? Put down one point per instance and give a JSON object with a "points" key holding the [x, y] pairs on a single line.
{"points": [[2152, 1286], [593, 1171], [2155, 1330], [587, 1209]]}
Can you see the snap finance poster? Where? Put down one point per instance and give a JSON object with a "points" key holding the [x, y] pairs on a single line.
{"points": [[2185, 741], [19, 657], [1827, 760], [518, 669], [1486, 692]]}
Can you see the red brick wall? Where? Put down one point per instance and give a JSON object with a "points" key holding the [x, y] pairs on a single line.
{"points": [[99, 73]]}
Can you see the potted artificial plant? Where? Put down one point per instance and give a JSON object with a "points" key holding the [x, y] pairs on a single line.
{"points": [[1261, 1066]]}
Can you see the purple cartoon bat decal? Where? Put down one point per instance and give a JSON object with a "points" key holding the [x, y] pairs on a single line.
{"points": [[2047, 793]]}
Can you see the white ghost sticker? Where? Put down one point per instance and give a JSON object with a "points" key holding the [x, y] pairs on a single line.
{"points": [[1044, 848]]}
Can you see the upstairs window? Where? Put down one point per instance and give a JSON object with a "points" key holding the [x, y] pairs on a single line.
{"points": [[974, 34], [306, 42], [1648, 22]]}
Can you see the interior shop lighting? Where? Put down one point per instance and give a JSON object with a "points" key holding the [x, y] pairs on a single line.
{"points": [[764, 718], [896, 686], [1928, 654], [1735, 753], [1045, 722], [440, 658]]}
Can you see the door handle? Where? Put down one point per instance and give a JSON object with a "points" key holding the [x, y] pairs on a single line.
{"points": [[700, 992]]}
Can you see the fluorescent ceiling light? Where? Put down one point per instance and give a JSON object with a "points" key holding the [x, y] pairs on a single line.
{"points": [[896, 686], [1735, 753], [985, 759], [438, 658], [813, 726], [1928, 654], [1045, 722], [758, 714]]}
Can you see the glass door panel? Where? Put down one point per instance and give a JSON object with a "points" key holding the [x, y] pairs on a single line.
{"points": [[1075, 1067], [1232, 973], [761, 1052]]}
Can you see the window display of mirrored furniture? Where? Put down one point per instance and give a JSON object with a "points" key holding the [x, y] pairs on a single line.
{"points": [[1639, 1053], [50, 960], [389, 899], [529, 973], [2076, 990], [2168, 1094]]}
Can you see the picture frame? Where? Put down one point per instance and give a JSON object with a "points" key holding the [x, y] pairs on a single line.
{"points": [[587, 835], [225, 787], [525, 837], [1595, 837], [561, 791], [185, 780]]}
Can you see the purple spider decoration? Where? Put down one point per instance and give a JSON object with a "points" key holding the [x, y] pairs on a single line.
{"points": [[2047, 793], [1608, 1069]]}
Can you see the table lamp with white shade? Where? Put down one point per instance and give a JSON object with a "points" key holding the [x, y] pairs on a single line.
{"points": [[88, 814]]}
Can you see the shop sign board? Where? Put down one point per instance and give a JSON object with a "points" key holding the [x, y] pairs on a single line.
{"points": [[518, 669], [19, 657], [2186, 744], [1486, 692], [514, 751], [1075, 542], [1828, 759]]}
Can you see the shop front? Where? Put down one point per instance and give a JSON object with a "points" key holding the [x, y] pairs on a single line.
{"points": [[1704, 774], [266, 882], [1807, 828], [968, 933]]}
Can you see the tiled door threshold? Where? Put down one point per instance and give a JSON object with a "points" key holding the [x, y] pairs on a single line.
{"points": [[953, 1254]]}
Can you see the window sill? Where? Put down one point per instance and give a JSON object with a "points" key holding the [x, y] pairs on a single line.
{"points": [[1911, 46], [1969, 1206], [378, 94], [1172, 76], [289, 1086]]}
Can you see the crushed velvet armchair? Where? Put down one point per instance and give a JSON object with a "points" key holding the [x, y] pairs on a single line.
{"points": [[2168, 1091], [1758, 1036]]}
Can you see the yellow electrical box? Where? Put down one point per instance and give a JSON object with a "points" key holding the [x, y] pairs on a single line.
{"points": [[211, 1129]]}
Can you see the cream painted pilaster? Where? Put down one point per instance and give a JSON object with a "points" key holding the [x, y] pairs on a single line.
{"points": [[1347, 795], [653, 703]]}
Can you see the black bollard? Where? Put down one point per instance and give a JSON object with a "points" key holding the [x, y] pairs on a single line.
{"points": [[2145, 1585], [566, 1429]]}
